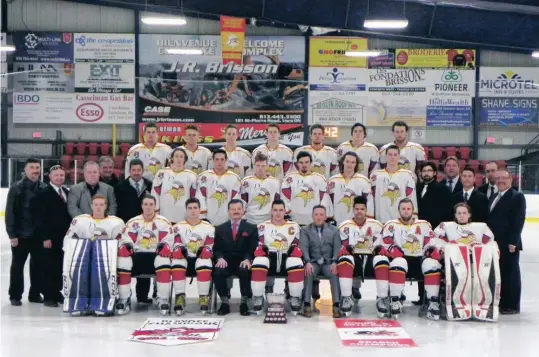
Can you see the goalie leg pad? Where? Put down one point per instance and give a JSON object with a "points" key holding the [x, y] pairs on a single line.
{"points": [[458, 292], [381, 273], [162, 277], [397, 276], [125, 266], [259, 275], [432, 270], [296, 275], [486, 282], [103, 276], [345, 271], [204, 269], [76, 275]]}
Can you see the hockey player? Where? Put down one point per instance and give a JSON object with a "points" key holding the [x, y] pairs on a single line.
{"points": [[390, 186], [303, 190], [215, 188], [367, 152], [397, 253], [198, 157], [357, 235], [342, 189], [280, 157], [412, 154], [472, 286], [154, 155], [136, 253], [90, 251], [173, 185], [258, 191], [278, 252], [324, 158], [239, 159]]}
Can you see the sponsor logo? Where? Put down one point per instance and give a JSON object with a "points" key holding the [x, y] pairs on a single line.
{"points": [[451, 79], [89, 112], [156, 110], [336, 76], [333, 52], [509, 82], [398, 77], [31, 40], [84, 40], [229, 68], [105, 71], [26, 99]]}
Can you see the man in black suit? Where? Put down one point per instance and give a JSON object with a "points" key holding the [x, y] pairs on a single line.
{"points": [[106, 171], [53, 220], [506, 220], [490, 189], [129, 194], [233, 250], [451, 170], [435, 205], [471, 196]]}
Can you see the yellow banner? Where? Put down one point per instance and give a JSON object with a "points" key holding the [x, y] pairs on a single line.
{"points": [[434, 58], [232, 39], [330, 51]]}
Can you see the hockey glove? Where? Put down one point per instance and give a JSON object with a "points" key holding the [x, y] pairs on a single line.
{"points": [[126, 250], [179, 252], [395, 252], [261, 251], [294, 251], [346, 250], [434, 253], [380, 250], [204, 253], [331, 222], [163, 250]]}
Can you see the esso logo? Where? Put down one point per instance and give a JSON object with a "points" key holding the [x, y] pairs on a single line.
{"points": [[402, 57], [90, 112], [26, 99]]}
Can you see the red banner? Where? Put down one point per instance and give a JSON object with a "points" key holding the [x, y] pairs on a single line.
{"points": [[232, 39]]}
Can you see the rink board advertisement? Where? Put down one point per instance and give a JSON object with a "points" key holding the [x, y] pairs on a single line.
{"points": [[373, 333], [435, 58], [330, 51], [181, 331], [509, 111], [386, 59], [55, 47], [43, 77], [269, 87]]}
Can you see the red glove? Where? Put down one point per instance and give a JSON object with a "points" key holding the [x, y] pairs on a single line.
{"points": [[434, 253], [294, 251], [395, 252], [204, 253], [179, 252], [126, 250], [345, 250], [163, 250], [261, 251], [381, 250]]}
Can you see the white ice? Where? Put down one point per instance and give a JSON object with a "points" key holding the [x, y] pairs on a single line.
{"points": [[38, 331]]}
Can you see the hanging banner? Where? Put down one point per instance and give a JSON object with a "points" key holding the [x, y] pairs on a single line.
{"points": [[373, 333], [386, 59], [232, 39], [330, 52], [55, 47], [435, 58]]}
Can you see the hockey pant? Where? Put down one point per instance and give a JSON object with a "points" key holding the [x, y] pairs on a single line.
{"points": [[277, 264], [351, 269], [133, 266], [472, 277], [89, 276], [390, 276]]}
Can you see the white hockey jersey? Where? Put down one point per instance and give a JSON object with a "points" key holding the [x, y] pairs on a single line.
{"points": [[475, 232], [389, 189], [85, 226], [258, 195], [171, 190], [280, 160], [411, 155], [278, 238], [146, 235], [412, 239], [325, 161], [360, 238], [367, 153], [214, 192], [193, 237], [153, 159], [199, 160], [301, 193], [239, 161], [341, 193]]}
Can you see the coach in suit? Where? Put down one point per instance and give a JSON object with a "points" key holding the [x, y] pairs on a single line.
{"points": [[320, 244], [233, 249], [451, 170], [471, 196], [490, 189], [53, 222], [80, 197], [506, 220]]}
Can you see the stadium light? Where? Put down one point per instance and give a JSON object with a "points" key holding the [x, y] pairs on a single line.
{"points": [[362, 53], [7, 48], [385, 24], [164, 21], [535, 54], [184, 51]]}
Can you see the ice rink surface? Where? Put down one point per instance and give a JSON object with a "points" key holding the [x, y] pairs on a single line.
{"points": [[35, 330]]}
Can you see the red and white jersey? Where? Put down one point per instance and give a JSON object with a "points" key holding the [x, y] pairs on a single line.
{"points": [[146, 235], [258, 195], [325, 161], [411, 238], [411, 155], [214, 192], [278, 238], [340, 196], [85, 226], [301, 193], [153, 159], [280, 160], [171, 189], [471, 233], [367, 153], [389, 189], [199, 160], [193, 237], [360, 238]]}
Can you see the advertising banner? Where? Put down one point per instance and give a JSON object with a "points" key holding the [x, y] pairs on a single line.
{"points": [[3, 65], [43, 77], [373, 333], [55, 47], [330, 51], [435, 58], [232, 39], [509, 111], [386, 59]]}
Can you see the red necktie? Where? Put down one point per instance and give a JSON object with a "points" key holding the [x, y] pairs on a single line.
{"points": [[234, 230]]}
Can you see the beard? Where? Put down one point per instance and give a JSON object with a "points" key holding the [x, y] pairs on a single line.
{"points": [[406, 218], [427, 179]]}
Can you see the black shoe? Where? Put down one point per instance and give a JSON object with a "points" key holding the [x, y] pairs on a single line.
{"points": [[16, 302], [50, 303], [60, 299], [145, 300], [316, 290], [223, 310], [244, 309], [356, 293], [36, 299], [509, 311], [418, 302]]}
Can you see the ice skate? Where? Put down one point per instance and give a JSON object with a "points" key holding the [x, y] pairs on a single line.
{"points": [[295, 305], [258, 303], [396, 307], [433, 311], [382, 307], [123, 307], [347, 303], [204, 302], [179, 305], [164, 307]]}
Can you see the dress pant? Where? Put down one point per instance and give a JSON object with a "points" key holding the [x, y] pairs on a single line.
{"points": [[53, 259], [510, 276], [19, 255], [325, 269], [220, 276]]}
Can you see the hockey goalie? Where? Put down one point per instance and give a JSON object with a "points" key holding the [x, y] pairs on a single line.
{"points": [[89, 271], [469, 258], [141, 238]]}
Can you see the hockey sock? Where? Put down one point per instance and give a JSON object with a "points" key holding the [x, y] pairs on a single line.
{"points": [[381, 273], [397, 276]]}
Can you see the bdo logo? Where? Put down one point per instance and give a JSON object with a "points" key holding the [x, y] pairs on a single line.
{"points": [[90, 112], [26, 98]]}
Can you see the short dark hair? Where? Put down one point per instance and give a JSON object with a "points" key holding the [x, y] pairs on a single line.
{"points": [[399, 123], [273, 125], [360, 200], [260, 157], [361, 125], [235, 201], [465, 205], [303, 154], [136, 162], [32, 160], [317, 126], [192, 200], [230, 126], [179, 148], [150, 125], [341, 161], [148, 197], [191, 127], [219, 151], [278, 202], [469, 168], [430, 164], [319, 206], [406, 200], [393, 147]]}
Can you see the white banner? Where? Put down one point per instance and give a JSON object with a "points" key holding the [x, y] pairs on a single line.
{"points": [[113, 47], [105, 77], [509, 82], [43, 77]]}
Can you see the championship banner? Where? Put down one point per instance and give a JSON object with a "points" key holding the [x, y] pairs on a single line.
{"points": [[330, 51], [174, 332], [435, 58], [373, 333], [232, 39]]}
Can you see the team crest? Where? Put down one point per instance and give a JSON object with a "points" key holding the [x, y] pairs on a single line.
{"points": [[404, 163], [306, 194], [177, 191], [194, 166], [466, 236], [263, 198], [99, 233], [220, 195], [154, 165], [393, 193], [274, 168], [147, 239], [319, 167], [194, 241], [363, 242], [360, 165], [280, 243], [348, 199], [412, 243], [234, 167]]}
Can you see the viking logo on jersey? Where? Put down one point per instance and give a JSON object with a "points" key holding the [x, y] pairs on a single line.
{"points": [[319, 167], [404, 163], [280, 242], [466, 235], [393, 193], [348, 199], [99, 233], [194, 241], [306, 194], [154, 165], [148, 239], [177, 191], [274, 168], [194, 166], [234, 167], [262, 198], [220, 195], [412, 242]]}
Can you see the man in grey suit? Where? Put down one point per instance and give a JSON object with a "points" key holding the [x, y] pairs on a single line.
{"points": [[320, 244], [80, 196]]}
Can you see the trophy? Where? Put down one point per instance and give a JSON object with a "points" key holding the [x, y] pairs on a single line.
{"points": [[276, 313]]}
